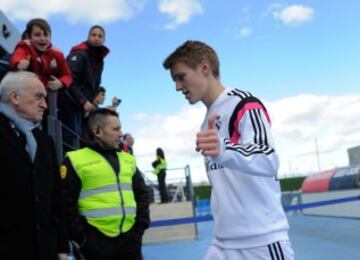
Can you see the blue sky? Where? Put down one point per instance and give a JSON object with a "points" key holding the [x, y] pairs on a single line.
{"points": [[301, 57]]}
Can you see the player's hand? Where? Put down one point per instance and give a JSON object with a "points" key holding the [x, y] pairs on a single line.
{"points": [[54, 83], [207, 141], [24, 63]]}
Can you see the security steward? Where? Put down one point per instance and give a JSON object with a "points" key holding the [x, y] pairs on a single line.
{"points": [[160, 165], [107, 202]]}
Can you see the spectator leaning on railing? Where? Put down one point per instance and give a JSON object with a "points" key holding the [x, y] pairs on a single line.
{"points": [[86, 62], [35, 53]]}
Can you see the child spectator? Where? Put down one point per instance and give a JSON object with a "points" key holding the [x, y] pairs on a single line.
{"points": [[35, 53]]}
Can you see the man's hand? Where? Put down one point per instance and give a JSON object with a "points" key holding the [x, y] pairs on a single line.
{"points": [[24, 63], [54, 83], [63, 256], [207, 141]]}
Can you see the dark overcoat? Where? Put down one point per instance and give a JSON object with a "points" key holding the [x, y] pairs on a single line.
{"points": [[32, 224]]}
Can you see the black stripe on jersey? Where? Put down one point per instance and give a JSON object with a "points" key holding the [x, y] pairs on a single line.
{"points": [[239, 93], [256, 126], [260, 136], [238, 107], [256, 134], [275, 250], [280, 250], [266, 151], [249, 149], [271, 253], [265, 139]]}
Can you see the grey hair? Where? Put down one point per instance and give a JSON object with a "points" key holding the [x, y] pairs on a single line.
{"points": [[14, 80]]}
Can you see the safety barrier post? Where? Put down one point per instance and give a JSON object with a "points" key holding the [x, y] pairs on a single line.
{"points": [[54, 125], [191, 195]]}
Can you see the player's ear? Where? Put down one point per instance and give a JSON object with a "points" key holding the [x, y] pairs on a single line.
{"points": [[205, 67]]}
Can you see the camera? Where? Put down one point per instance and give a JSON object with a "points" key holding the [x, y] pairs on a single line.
{"points": [[116, 101]]}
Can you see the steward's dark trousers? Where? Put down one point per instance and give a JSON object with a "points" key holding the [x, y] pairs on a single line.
{"points": [[126, 246], [162, 187]]}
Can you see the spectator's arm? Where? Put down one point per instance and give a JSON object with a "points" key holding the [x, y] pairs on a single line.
{"points": [[76, 64], [20, 53]]}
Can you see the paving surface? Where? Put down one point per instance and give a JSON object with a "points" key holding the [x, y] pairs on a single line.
{"points": [[312, 237]]}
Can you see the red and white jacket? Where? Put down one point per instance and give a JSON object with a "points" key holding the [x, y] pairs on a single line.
{"points": [[245, 198], [44, 64]]}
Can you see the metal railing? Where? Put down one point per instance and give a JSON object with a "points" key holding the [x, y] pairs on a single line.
{"points": [[55, 128]]}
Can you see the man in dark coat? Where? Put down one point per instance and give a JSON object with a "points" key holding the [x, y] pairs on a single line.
{"points": [[32, 224]]}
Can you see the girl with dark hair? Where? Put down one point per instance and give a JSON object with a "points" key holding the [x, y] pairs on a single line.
{"points": [[86, 61]]}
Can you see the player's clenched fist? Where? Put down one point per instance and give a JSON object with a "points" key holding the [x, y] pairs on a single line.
{"points": [[207, 141]]}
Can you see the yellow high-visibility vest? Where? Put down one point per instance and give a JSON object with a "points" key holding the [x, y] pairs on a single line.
{"points": [[160, 167], [106, 200]]}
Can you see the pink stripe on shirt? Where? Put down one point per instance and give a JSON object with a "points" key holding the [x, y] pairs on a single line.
{"points": [[249, 106]]}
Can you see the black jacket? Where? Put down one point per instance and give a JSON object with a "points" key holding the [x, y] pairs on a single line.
{"points": [[32, 210], [86, 64], [78, 226]]}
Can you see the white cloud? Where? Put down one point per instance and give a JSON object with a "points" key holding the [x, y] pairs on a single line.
{"points": [[175, 134], [299, 121], [293, 15], [296, 123], [179, 11], [245, 32], [88, 11]]}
